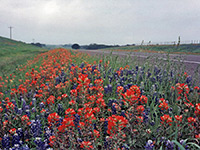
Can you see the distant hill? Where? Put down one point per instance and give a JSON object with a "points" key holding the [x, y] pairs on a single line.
{"points": [[14, 53]]}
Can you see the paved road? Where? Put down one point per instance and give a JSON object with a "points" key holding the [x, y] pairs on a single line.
{"points": [[191, 62]]}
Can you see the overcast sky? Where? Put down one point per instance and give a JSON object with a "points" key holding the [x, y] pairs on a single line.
{"points": [[100, 21]]}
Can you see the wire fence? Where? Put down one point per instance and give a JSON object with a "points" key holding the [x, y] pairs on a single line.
{"points": [[169, 42]]}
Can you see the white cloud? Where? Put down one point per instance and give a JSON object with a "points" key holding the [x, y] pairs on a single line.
{"points": [[105, 21]]}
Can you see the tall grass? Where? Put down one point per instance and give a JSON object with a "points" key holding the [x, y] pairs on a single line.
{"points": [[69, 100]]}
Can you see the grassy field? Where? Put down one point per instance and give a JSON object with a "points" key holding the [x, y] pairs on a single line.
{"points": [[63, 99], [14, 53], [184, 48]]}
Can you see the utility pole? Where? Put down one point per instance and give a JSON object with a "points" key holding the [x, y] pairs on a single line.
{"points": [[10, 32]]}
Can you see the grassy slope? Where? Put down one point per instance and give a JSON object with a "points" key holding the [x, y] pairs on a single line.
{"points": [[185, 48], [14, 53]]}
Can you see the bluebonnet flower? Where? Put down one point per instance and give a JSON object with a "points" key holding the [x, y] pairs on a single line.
{"points": [[136, 68], [123, 113], [16, 147], [15, 139], [23, 104], [188, 79], [152, 123], [36, 128], [79, 140], [76, 120], [60, 109], [170, 110], [6, 141], [182, 142], [111, 101], [126, 87], [170, 145], [95, 126], [82, 65], [39, 143], [20, 133], [105, 127], [33, 110], [105, 144], [145, 116], [93, 68], [125, 147], [156, 70], [27, 112], [57, 79], [33, 101], [114, 112], [37, 117], [152, 79], [106, 89], [110, 88], [149, 145], [47, 133], [42, 105], [74, 86], [79, 131], [6, 116]]}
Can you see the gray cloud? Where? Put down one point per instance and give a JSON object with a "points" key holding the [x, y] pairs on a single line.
{"points": [[105, 21]]}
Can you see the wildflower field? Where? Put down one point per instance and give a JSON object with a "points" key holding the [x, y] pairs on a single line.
{"points": [[64, 99]]}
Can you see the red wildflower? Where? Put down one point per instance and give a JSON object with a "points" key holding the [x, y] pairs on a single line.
{"points": [[70, 111], [143, 99], [25, 118], [1, 95], [166, 119], [64, 96], [73, 93], [83, 79], [98, 82], [96, 133], [139, 118], [116, 123], [182, 87], [58, 98], [67, 122], [51, 99], [191, 120], [52, 140], [140, 109], [136, 90], [178, 118], [1, 109], [87, 145], [164, 105], [43, 110], [120, 89], [12, 131], [197, 109], [197, 136], [101, 102], [52, 118], [10, 105]]}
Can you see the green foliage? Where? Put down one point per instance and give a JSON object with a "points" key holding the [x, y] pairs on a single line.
{"points": [[14, 53]]}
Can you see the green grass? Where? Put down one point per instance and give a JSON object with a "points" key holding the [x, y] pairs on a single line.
{"points": [[14, 53], [183, 48]]}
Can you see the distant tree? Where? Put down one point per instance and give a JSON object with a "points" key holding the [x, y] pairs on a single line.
{"points": [[38, 44], [75, 46]]}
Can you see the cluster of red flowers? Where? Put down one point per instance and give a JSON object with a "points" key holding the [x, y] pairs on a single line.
{"points": [[85, 111]]}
